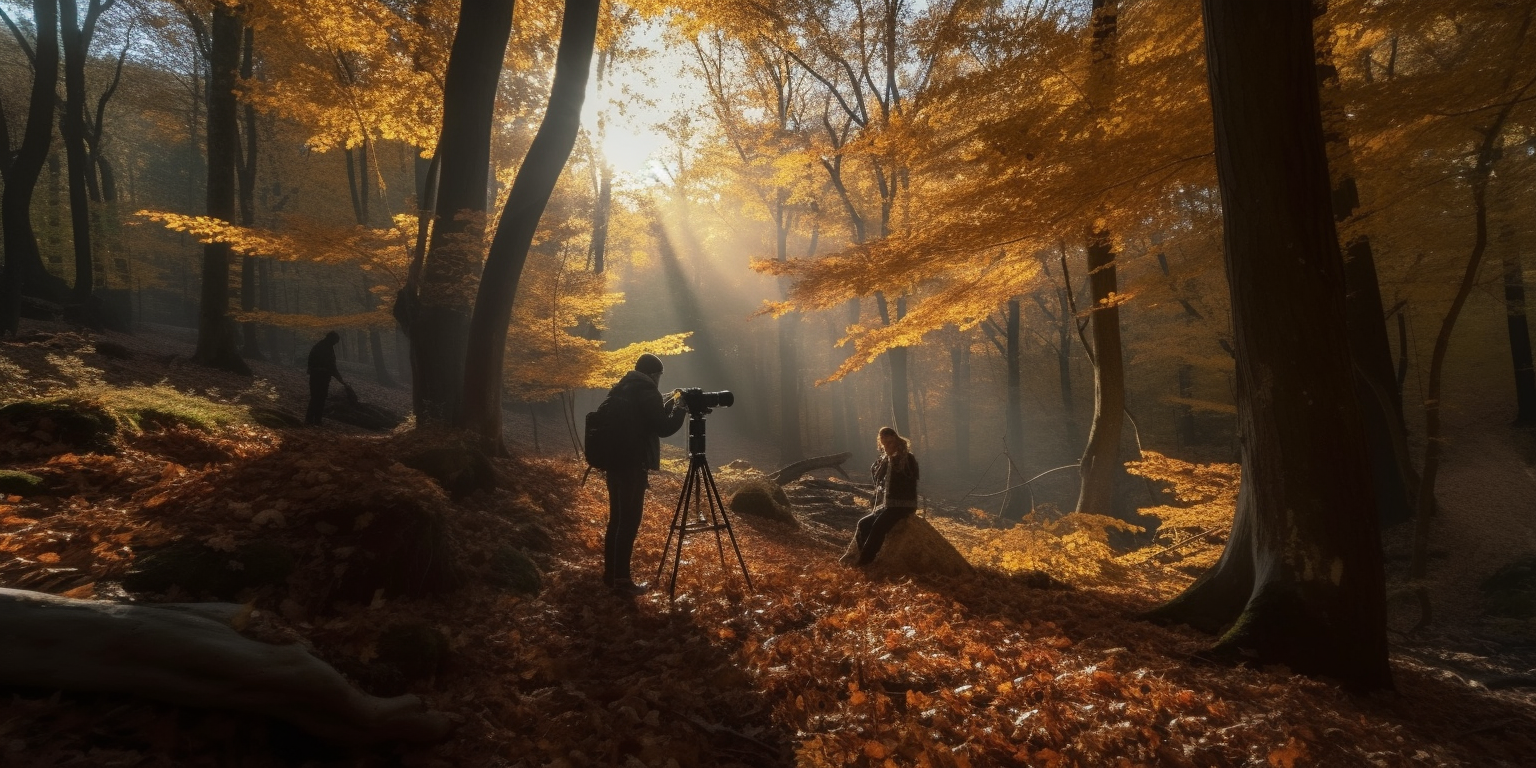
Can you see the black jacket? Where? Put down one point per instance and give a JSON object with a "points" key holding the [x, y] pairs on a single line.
{"points": [[322, 359], [653, 419]]}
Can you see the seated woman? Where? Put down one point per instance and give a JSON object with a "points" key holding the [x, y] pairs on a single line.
{"points": [[895, 475]]}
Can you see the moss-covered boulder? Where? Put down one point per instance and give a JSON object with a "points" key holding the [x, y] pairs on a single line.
{"points": [[276, 418], [914, 548], [199, 569], [460, 471], [41, 427], [14, 483], [1511, 590], [760, 498]]}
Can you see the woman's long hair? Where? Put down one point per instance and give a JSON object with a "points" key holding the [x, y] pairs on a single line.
{"points": [[903, 447]]}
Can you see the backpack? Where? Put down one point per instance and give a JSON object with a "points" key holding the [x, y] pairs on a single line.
{"points": [[609, 434]]}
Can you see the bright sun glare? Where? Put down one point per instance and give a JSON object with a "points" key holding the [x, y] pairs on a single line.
{"points": [[637, 98]]}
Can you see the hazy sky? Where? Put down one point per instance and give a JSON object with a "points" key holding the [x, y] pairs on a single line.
{"points": [[664, 85]]}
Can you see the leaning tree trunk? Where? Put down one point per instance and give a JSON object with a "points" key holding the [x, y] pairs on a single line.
{"points": [[24, 273], [216, 338], [535, 182], [1300, 582], [72, 128], [1100, 464], [1382, 406], [439, 311]]}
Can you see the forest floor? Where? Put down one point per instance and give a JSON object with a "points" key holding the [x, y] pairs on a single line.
{"points": [[815, 665]]}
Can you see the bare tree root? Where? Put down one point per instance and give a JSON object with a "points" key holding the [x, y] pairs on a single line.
{"points": [[190, 654]]}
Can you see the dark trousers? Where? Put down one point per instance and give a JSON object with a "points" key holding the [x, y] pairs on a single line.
{"points": [[319, 389], [872, 529], [626, 503]]}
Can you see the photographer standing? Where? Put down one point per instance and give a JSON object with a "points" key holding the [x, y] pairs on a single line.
{"points": [[639, 451], [895, 475]]}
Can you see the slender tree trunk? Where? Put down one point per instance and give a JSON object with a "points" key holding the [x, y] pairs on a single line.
{"points": [[72, 128], [535, 182], [1478, 177], [439, 328], [1100, 464], [789, 343], [1391, 465], [960, 400], [216, 339], [1515, 318], [1016, 505], [250, 348], [24, 273], [1301, 581]]}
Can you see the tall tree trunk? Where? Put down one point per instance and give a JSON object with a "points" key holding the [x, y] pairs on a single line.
{"points": [[1515, 318], [1100, 464], [535, 182], [896, 358], [1391, 464], [245, 170], [789, 342], [1478, 177], [440, 312], [1301, 581], [72, 128], [24, 273], [960, 400], [216, 338], [1016, 505]]}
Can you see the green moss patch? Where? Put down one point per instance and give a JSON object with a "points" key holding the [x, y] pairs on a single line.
{"points": [[13, 483], [80, 425]]}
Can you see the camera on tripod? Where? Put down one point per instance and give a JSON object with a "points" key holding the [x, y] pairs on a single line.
{"points": [[700, 402]]}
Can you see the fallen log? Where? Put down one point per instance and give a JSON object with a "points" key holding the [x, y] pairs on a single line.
{"points": [[858, 489], [794, 471], [190, 654]]}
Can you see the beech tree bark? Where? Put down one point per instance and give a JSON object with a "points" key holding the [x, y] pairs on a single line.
{"points": [[1015, 505], [439, 310], [216, 338], [1100, 464], [1300, 582], [24, 273], [535, 182]]}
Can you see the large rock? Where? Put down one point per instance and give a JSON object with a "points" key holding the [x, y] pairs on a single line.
{"points": [[760, 498], [914, 548], [46, 427]]}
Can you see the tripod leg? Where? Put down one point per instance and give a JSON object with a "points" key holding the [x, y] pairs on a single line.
{"points": [[714, 519], [715, 492], [675, 527], [691, 484]]}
